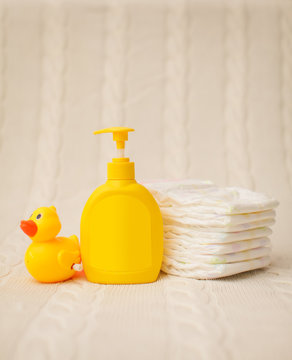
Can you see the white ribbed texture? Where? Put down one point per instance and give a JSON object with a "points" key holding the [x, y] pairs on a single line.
{"points": [[46, 163], [187, 300], [114, 92], [2, 68], [136, 58], [286, 78], [114, 81], [46, 172], [63, 316], [175, 131], [235, 127]]}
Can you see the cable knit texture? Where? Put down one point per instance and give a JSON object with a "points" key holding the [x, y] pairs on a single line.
{"points": [[207, 87], [175, 134], [286, 51], [236, 132]]}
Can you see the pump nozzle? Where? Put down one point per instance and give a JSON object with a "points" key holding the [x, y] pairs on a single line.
{"points": [[120, 168], [120, 135]]}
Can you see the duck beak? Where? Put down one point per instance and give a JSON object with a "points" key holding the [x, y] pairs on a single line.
{"points": [[29, 227]]}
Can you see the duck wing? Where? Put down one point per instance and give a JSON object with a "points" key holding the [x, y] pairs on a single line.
{"points": [[74, 238], [67, 258]]}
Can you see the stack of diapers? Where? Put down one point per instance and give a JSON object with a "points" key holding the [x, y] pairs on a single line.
{"points": [[212, 232]]}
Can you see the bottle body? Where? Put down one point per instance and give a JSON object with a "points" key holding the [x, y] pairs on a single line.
{"points": [[121, 234]]}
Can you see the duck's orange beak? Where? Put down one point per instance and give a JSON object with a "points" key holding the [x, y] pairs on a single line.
{"points": [[29, 227]]}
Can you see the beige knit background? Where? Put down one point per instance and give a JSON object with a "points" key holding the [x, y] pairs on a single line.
{"points": [[207, 85]]}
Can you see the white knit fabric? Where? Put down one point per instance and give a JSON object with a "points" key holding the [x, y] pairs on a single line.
{"points": [[207, 87]]}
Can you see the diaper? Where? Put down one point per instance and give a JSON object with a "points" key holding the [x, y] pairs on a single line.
{"points": [[208, 271], [209, 198], [209, 249], [207, 237], [191, 223], [191, 257], [194, 217]]}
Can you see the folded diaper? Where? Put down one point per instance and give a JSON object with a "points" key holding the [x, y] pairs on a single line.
{"points": [[209, 237], [194, 217], [207, 271], [209, 249], [212, 232], [191, 257], [228, 228], [210, 199]]}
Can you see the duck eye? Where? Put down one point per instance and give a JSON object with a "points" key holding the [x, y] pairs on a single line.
{"points": [[39, 216]]}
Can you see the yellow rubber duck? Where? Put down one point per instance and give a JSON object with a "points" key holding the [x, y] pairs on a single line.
{"points": [[49, 258]]}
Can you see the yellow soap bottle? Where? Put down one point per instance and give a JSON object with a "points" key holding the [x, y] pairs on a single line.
{"points": [[121, 225]]}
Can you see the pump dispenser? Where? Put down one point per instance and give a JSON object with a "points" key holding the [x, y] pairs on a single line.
{"points": [[121, 225], [120, 168]]}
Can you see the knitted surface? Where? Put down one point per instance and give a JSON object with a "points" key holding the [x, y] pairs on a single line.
{"points": [[207, 87]]}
